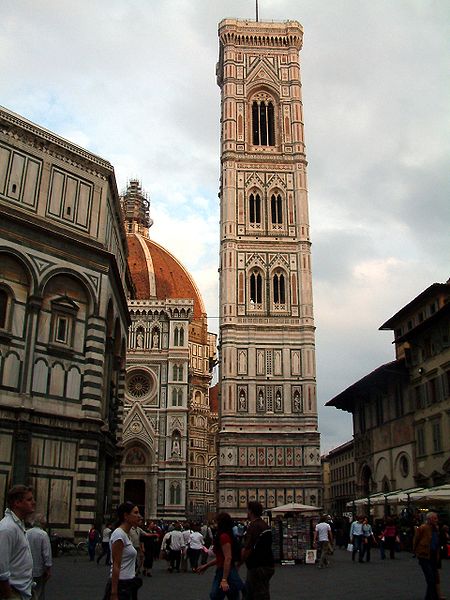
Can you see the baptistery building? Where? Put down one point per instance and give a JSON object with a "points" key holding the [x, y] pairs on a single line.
{"points": [[63, 324], [168, 429]]}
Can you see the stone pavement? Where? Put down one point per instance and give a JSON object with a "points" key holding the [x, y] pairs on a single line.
{"points": [[75, 578]]}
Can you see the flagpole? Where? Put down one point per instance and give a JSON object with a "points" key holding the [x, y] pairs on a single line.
{"points": [[257, 15]]}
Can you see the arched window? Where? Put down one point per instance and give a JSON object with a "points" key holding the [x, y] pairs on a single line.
{"points": [[256, 288], [64, 312], [276, 209], [255, 209], [178, 336], [177, 373], [177, 397], [175, 493], [279, 287], [263, 123]]}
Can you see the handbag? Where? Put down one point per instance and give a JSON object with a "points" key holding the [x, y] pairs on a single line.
{"points": [[349, 547], [127, 584]]}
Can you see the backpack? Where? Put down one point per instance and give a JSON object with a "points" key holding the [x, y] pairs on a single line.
{"points": [[168, 543], [208, 537], [261, 555]]}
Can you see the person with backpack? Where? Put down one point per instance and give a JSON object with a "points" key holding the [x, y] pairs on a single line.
{"points": [[174, 547], [226, 582], [206, 532], [257, 554], [93, 539]]}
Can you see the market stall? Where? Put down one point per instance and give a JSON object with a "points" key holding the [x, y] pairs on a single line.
{"points": [[293, 531]]}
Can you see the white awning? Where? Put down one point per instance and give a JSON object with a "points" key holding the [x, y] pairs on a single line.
{"points": [[294, 507]]}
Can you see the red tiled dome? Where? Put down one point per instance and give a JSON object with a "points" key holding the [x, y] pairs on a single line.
{"points": [[158, 274]]}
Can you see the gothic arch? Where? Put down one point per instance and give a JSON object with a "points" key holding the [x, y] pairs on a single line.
{"points": [[366, 480], [277, 209], [279, 287], [137, 453], [72, 274], [263, 111], [255, 207], [256, 283]]}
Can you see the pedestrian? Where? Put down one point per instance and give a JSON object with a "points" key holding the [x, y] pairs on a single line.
{"points": [[426, 549], [196, 545], [257, 554], [390, 536], [165, 548], [148, 540], [136, 533], [226, 582], [356, 537], [175, 545], [123, 584], [41, 552], [92, 539], [368, 539], [187, 530], [379, 538], [207, 534], [106, 534], [323, 540], [16, 561]]}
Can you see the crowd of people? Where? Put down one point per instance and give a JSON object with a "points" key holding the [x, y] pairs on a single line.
{"points": [[130, 545], [223, 545]]}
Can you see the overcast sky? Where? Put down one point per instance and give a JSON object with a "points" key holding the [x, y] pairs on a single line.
{"points": [[134, 81]]}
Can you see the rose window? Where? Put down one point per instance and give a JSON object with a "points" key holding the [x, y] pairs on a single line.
{"points": [[139, 385]]}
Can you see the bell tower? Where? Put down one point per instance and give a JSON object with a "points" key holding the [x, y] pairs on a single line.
{"points": [[269, 444]]}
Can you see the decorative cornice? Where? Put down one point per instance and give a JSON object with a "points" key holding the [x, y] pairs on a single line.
{"points": [[49, 143], [282, 34]]}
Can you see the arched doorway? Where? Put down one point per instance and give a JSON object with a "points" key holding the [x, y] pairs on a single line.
{"points": [[134, 491]]}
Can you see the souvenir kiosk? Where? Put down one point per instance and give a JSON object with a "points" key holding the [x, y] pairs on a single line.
{"points": [[293, 531]]}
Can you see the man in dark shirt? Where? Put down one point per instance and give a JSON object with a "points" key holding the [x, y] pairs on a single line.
{"points": [[426, 548], [257, 554]]}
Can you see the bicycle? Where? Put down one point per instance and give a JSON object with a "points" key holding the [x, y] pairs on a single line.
{"points": [[66, 546], [82, 548]]}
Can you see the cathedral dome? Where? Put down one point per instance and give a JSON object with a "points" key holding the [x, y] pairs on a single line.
{"points": [[157, 274]]}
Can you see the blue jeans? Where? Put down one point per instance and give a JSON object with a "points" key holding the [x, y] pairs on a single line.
{"points": [[357, 546], [234, 581], [366, 549]]}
